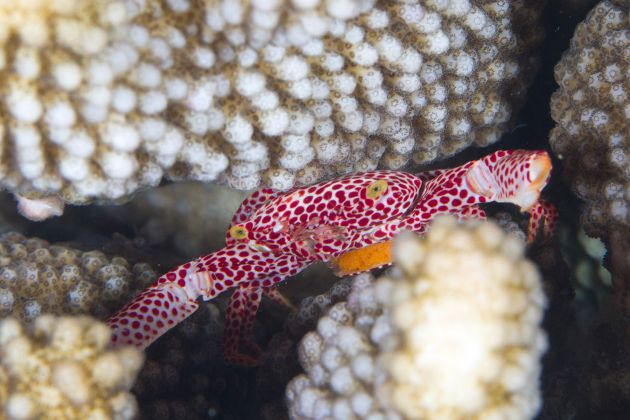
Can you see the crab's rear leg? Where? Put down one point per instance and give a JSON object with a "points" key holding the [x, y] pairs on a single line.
{"points": [[275, 296], [545, 213]]}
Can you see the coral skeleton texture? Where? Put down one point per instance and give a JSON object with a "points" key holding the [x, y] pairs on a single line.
{"points": [[61, 369], [453, 331], [592, 113], [37, 277], [100, 99]]}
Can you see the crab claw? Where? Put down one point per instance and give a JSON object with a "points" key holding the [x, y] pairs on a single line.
{"points": [[537, 174], [514, 176], [545, 212]]}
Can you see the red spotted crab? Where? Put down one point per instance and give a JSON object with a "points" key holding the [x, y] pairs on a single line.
{"points": [[346, 222]]}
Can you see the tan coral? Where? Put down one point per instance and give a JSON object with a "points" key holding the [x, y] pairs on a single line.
{"points": [[82, 92], [273, 92], [453, 331], [592, 113], [62, 369], [37, 277], [317, 96]]}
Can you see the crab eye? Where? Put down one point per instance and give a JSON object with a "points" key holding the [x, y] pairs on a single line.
{"points": [[238, 232], [376, 189]]}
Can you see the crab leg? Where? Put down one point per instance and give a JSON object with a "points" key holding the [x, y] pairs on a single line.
{"points": [[546, 213], [244, 304], [170, 300], [239, 319], [173, 297], [274, 295]]}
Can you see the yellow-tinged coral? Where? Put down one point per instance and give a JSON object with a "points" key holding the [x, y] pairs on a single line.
{"points": [[451, 332], [37, 277], [61, 369], [83, 92], [467, 315], [301, 90], [592, 112], [103, 98]]}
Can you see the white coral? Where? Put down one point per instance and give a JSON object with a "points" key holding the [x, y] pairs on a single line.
{"points": [[452, 332], [103, 98], [62, 369]]}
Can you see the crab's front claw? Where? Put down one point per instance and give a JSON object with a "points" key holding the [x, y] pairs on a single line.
{"points": [[546, 213], [152, 313]]}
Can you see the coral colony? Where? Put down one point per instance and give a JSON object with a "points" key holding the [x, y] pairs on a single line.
{"points": [[382, 351], [392, 157], [104, 98]]}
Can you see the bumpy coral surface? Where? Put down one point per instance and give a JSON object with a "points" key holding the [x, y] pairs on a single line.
{"points": [[103, 98], [185, 375], [189, 216], [77, 108], [37, 277], [62, 370], [279, 361], [592, 112], [452, 332]]}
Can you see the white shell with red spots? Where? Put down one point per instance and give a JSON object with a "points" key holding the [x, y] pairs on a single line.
{"points": [[318, 221]]}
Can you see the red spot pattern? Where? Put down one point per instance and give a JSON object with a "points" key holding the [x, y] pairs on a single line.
{"points": [[287, 231], [133, 328]]}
